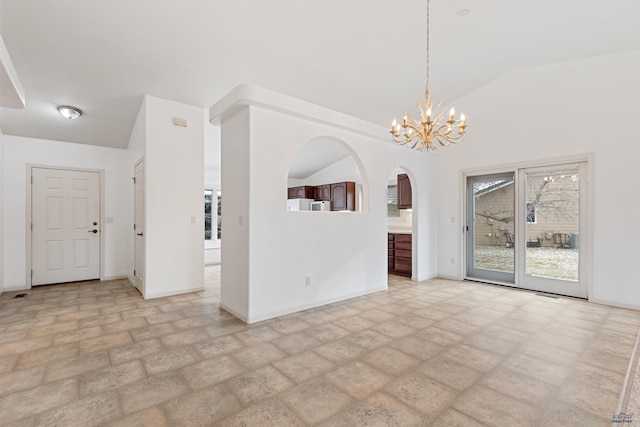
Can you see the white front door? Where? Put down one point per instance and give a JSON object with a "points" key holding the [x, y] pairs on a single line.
{"points": [[138, 266], [65, 215]]}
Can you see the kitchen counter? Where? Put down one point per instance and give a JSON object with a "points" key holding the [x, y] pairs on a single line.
{"points": [[399, 231]]}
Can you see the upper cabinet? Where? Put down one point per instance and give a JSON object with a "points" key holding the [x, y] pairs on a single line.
{"points": [[302, 192], [322, 192], [404, 192], [343, 196]]}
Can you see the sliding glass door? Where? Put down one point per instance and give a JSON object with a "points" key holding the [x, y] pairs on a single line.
{"points": [[490, 230], [526, 228], [553, 217]]}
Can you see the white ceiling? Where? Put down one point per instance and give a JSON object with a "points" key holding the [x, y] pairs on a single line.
{"points": [[315, 155], [362, 57]]}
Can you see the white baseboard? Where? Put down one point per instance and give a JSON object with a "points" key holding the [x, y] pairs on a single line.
{"points": [[295, 309], [444, 276], [16, 288], [104, 279], [614, 303], [233, 312], [174, 292], [423, 278]]}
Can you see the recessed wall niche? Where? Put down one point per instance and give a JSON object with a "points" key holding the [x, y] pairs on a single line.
{"points": [[324, 175]]}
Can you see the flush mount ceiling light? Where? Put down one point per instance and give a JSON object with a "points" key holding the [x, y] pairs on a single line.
{"points": [[421, 133], [69, 112]]}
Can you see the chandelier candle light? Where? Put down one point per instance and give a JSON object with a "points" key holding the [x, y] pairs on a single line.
{"points": [[421, 133]]}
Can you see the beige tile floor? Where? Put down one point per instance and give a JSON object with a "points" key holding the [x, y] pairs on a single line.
{"points": [[439, 353]]}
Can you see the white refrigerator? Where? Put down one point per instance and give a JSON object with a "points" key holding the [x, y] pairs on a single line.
{"points": [[299, 204]]}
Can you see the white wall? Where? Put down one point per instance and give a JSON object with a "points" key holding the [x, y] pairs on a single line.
{"points": [[2, 207], [138, 137], [234, 291], [565, 109], [174, 214], [345, 254], [18, 152]]}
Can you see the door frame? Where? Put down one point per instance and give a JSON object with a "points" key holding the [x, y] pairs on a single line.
{"points": [[139, 284], [28, 184], [587, 158]]}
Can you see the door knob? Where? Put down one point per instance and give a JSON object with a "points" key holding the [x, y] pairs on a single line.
{"points": [[93, 231], [140, 234]]}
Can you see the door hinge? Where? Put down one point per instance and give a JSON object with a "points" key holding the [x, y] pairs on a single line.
{"points": [[32, 274], [134, 180], [134, 272], [31, 226], [134, 226]]}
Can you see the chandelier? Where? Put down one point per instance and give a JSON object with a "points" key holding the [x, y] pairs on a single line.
{"points": [[421, 133]]}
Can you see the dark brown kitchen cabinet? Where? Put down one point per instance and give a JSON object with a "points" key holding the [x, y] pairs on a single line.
{"points": [[322, 192], [343, 196], [404, 192], [302, 192], [391, 261], [399, 258]]}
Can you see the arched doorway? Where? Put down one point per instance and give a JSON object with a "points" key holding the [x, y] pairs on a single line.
{"points": [[401, 223], [325, 175]]}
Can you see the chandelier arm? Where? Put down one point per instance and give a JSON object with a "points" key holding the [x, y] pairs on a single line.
{"points": [[411, 118], [399, 140], [439, 116], [415, 125], [452, 139], [444, 144], [423, 114], [439, 130]]}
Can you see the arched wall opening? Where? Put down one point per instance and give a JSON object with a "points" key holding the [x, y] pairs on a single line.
{"points": [[326, 175], [402, 222]]}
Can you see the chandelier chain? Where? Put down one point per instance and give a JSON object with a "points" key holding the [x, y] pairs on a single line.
{"points": [[426, 90]]}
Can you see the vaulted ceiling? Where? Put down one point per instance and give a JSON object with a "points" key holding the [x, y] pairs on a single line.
{"points": [[365, 58]]}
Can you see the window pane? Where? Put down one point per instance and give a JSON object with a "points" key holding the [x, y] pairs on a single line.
{"points": [[531, 213], [392, 201], [219, 215], [208, 200], [493, 214], [552, 238]]}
